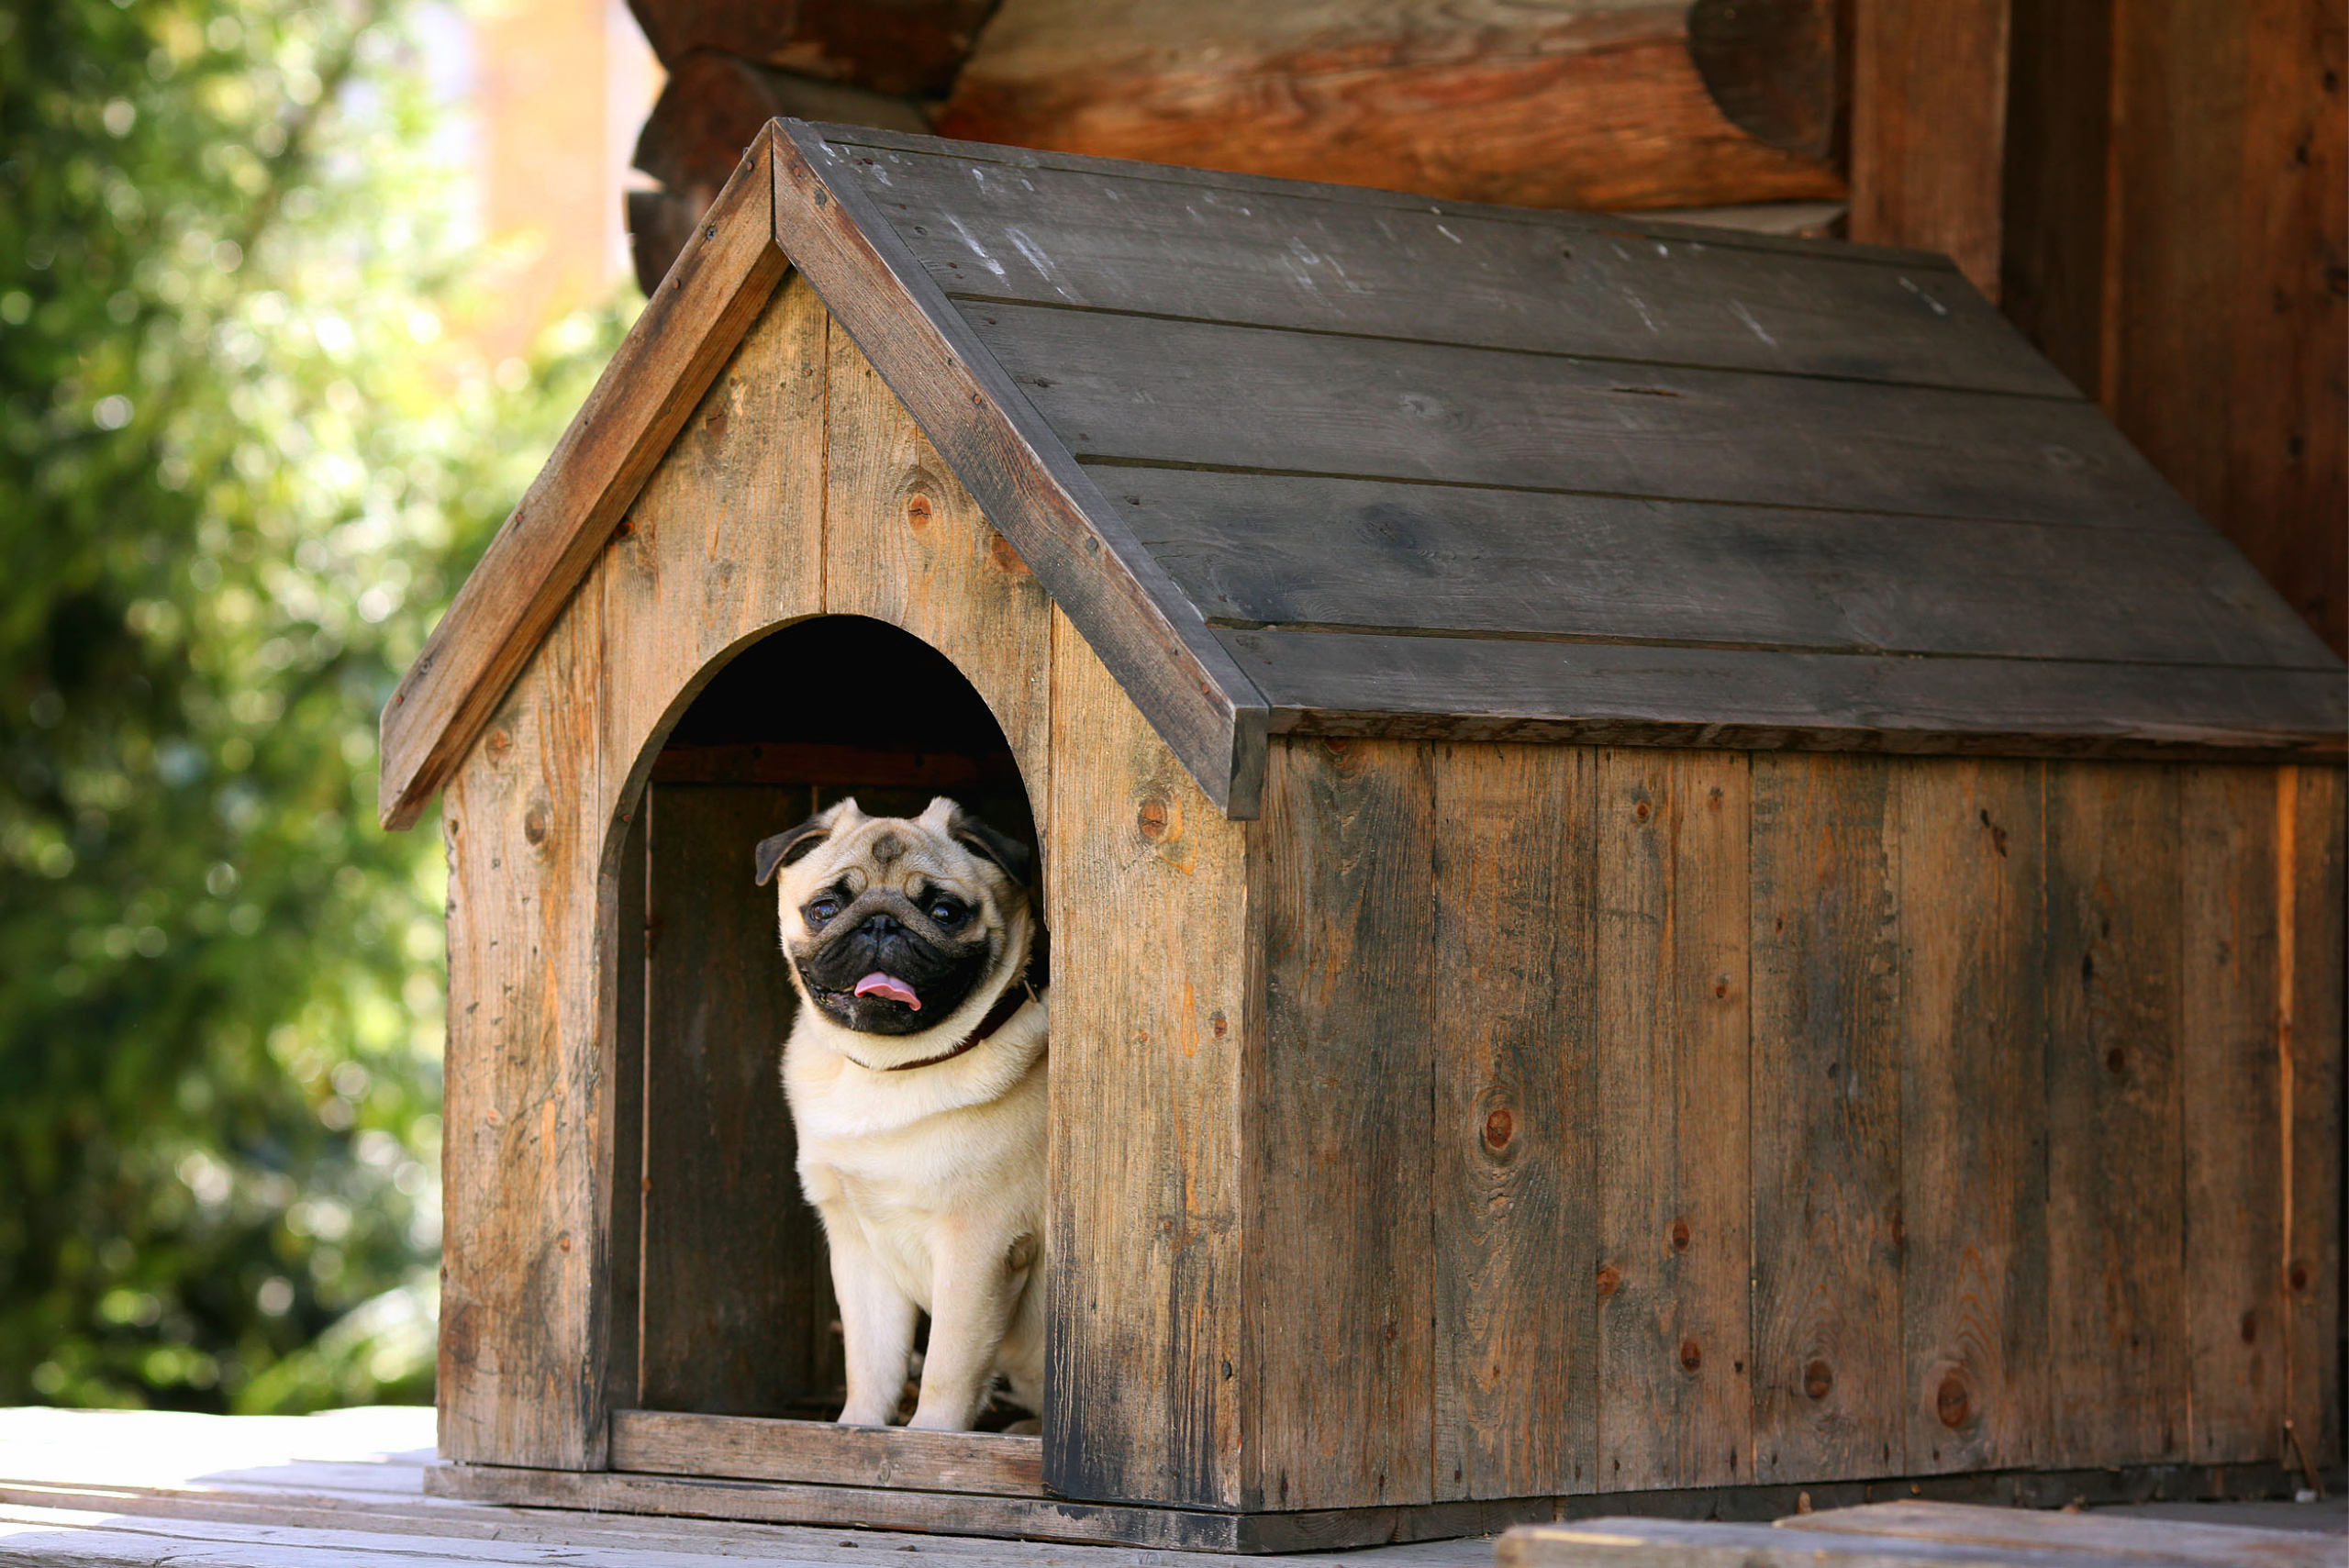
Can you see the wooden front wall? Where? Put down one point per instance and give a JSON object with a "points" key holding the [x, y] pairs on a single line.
{"points": [[1486, 1121]]}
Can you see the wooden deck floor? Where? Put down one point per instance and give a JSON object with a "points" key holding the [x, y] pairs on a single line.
{"points": [[103, 1489]]}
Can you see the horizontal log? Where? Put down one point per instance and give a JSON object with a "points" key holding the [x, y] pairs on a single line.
{"points": [[896, 47], [1574, 103]]}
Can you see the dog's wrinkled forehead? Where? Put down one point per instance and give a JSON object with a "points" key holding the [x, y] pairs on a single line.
{"points": [[945, 846]]}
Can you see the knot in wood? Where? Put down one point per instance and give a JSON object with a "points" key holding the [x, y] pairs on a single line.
{"points": [[1610, 1279], [1642, 811], [2251, 1328], [1152, 819], [534, 822], [1818, 1379], [1951, 1402], [1215, 1022], [2299, 1278], [1679, 1235], [2116, 1059], [917, 510], [1692, 1355], [1498, 1129]]}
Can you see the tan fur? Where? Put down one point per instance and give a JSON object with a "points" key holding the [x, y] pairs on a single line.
{"points": [[930, 1181]]}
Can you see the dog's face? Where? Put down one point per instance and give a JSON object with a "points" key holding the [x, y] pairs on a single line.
{"points": [[891, 922]]}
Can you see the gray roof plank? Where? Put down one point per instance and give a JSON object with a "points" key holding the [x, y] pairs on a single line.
{"points": [[1477, 689], [1252, 548], [1592, 287], [1118, 386]]}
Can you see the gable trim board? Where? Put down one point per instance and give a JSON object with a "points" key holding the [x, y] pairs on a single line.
{"points": [[1303, 459]]}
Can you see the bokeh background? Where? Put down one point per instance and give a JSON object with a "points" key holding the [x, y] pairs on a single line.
{"points": [[294, 298]]}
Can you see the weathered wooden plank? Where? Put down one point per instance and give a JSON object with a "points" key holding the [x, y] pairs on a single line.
{"points": [[525, 1248], [623, 1046], [1572, 283], [1928, 128], [1514, 1118], [687, 334], [1828, 1389], [1140, 389], [1332, 553], [2229, 1071], [1678, 1543], [1054, 515], [1153, 1009], [665, 1443], [689, 577], [1340, 1296], [2309, 814], [1551, 106], [2094, 1536], [1675, 1222], [737, 1299], [2116, 1384], [904, 542], [1972, 1191], [1464, 688]]}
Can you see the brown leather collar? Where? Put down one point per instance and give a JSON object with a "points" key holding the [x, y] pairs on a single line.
{"points": [[1015, 997]]}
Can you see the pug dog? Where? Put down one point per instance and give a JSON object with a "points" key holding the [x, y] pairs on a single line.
{"points": [[916, 1076]]}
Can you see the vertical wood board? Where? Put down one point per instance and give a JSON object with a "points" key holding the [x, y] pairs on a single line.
{"points": [[2309, 802]]}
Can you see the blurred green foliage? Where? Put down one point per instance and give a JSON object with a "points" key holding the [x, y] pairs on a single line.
{"points": [[244, 461]]}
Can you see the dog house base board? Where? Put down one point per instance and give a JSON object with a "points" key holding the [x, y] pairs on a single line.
{"points": [[1038, 1518]]}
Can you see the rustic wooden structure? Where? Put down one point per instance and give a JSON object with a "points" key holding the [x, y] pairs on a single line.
{"points": [[1671, 868]]}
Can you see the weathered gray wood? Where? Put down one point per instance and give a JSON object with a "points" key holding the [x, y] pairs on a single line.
{"points": [[737, 1297], [1677, 1543], [1258, 548], [1973, 1024], [1054, 515], [1673, 1136], [1826, 1109], [664, 1443], [1143, 389], [1580, 285], [2095, 1536], [1339, 1296], [1463, 688], [2116, 1285], [1513, 1186]]}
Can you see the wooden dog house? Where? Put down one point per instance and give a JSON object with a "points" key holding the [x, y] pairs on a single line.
{"points": [[1671, 871]]}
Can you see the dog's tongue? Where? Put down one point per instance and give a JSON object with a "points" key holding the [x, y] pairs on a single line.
{"points": [[879, 984]]}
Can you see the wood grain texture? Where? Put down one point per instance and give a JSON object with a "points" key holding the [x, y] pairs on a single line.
{"points": [[1478, 688], [2116, 1292], [688, 332], [737, 1298], [1556, 106], [1144, 390], [1515, 1121], [1252, 549], [1153, 1007], [1107, 237], [1973, 1027], [1673, 1142], [666, 1443], [1928, 130], [2092, 1535], [904, 543], [1828, 1384], [623, 1048], [1114, 592], [888, 45], [525, 1239], [1341, 1301], [2230, 1094], [2309, 817]]}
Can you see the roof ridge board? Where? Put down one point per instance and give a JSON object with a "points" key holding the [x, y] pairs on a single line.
{"points": [[1723, 645], [2070, 396], [1279, 186], [1186, 683], [515, 592]]}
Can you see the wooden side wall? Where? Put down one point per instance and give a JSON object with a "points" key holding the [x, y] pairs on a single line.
{"points": [[1641, 1119]]}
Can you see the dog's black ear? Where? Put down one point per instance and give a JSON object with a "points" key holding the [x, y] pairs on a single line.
{"points": [[791, 846], [984, 841]]}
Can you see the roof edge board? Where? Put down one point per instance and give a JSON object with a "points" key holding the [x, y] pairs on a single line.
{"points": [[1114, 592], [517, 591], [1657, 225]]}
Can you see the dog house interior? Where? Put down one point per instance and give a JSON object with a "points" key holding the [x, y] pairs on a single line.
{"points": [[1674, 878], [722, 1302]]}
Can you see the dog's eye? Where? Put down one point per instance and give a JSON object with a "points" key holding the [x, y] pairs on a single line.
{"points": [[821, 910], [946, 912]]}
